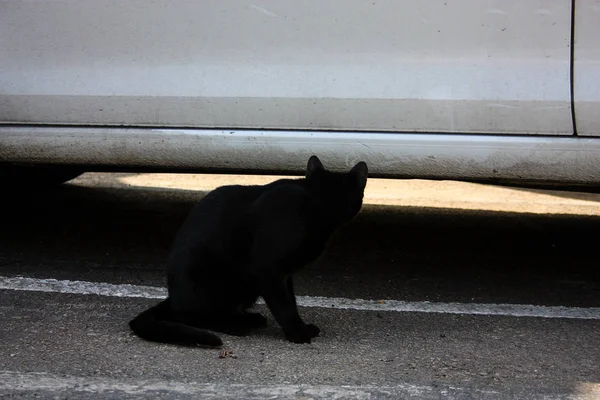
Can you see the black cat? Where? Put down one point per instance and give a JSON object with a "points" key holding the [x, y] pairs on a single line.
{"points": [[242, 242]]}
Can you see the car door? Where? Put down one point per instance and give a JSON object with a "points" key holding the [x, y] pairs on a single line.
{"points": [[586, 63], [457, 66]]}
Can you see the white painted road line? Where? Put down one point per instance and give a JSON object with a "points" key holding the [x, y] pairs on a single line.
{"points": [[43, 382], [28, 381], [81, 287], [151, 292]]}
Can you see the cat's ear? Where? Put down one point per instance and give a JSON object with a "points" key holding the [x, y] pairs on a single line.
{"points": [[314, 166], [359, 172]]}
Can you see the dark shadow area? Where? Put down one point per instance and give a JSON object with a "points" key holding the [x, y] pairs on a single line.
{"points": [[471, 256], [94, 223], [114, 234]]}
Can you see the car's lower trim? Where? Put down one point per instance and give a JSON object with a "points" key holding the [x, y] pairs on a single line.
{"points": [[437, 156]]}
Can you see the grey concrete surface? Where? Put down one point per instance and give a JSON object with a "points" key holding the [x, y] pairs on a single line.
{"points": [[420, 242]]}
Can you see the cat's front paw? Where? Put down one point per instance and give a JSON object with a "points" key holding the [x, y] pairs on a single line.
{"points": [[313, 330], [303, 334]]}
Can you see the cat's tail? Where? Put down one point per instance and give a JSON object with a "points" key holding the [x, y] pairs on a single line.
{"points": [[154, 325]]}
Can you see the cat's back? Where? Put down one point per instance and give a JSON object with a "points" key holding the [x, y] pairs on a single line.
{"points": [[284, 195], [215, 215], [223, 204], [226, 211]]}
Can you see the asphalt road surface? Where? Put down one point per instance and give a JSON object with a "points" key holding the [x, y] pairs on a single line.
{"points": [[436, 290]]}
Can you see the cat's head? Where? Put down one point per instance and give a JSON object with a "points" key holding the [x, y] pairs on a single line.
{"points": [[341, 194]]}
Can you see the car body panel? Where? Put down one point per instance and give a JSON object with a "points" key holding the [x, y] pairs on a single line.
{"points": [[468, 66], [586, 74]]}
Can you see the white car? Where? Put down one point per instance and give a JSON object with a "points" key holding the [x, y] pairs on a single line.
{"points": [[498, 90]]}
